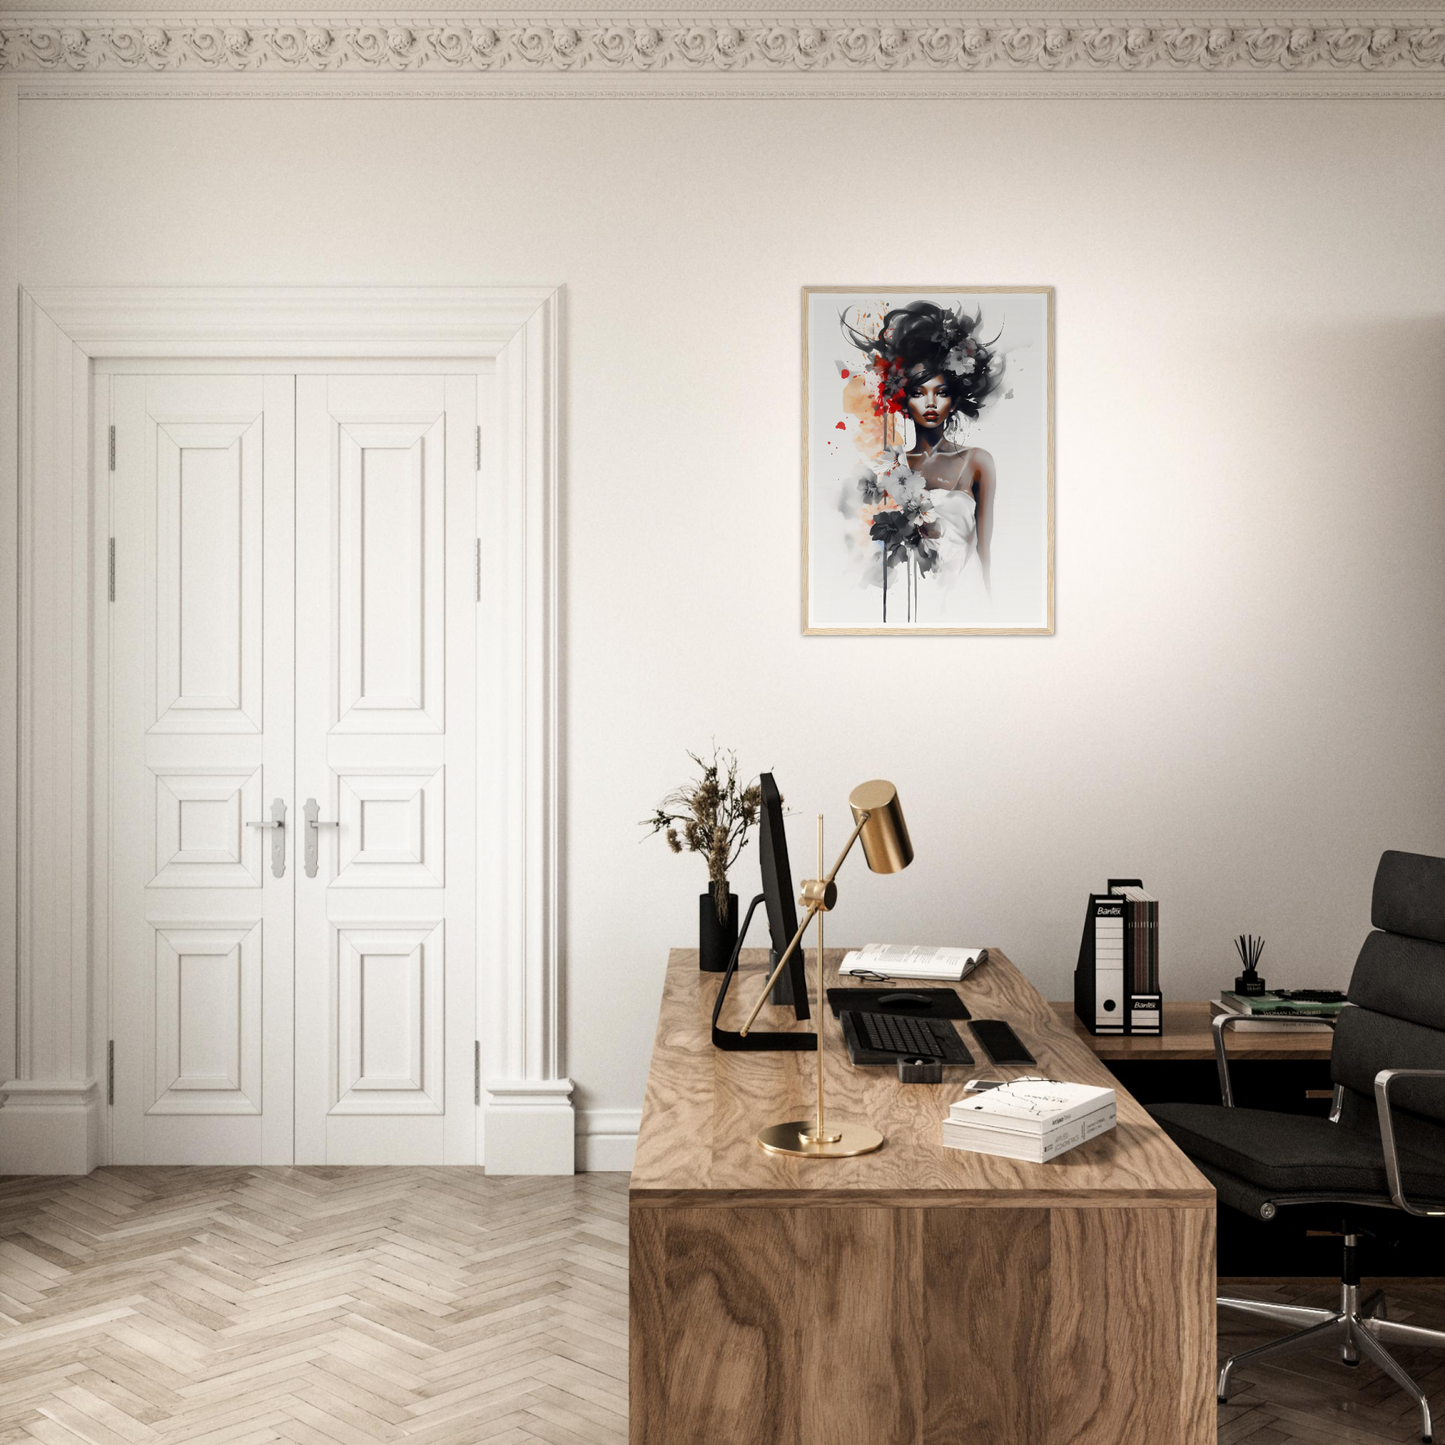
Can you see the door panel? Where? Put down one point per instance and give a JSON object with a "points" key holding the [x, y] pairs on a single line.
{"points": [[201, 743], [385, 673], [390, 574]]}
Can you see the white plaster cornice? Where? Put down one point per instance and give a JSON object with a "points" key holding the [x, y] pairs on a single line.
{"points": [[926, 53]]}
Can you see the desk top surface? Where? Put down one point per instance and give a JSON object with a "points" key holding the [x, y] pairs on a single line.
{"points": [[1187, 1035], [704, 1108]]}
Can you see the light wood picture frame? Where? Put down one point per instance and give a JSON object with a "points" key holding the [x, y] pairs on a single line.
{"points": [[928, 460]]}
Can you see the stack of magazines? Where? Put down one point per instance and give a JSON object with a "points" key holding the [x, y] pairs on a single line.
{"points": [[1032, 1119], [1272, 1012]]}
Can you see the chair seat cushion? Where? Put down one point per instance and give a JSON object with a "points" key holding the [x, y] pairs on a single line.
{"points": [[1292, 1153]]}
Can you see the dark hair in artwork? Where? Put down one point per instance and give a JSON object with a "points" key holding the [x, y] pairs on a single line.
{"points": [[922, 340]]}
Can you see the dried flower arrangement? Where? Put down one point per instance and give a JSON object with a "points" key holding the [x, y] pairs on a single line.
{"points": [[710, 816]]}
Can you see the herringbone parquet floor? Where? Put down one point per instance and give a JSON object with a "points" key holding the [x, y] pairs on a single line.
{"points": [[318, 1306], [429, 1307], [1312, 1398]]}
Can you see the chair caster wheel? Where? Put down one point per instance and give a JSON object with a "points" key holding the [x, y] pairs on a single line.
{"points": [[1221, 1399], [1353, 1364]]}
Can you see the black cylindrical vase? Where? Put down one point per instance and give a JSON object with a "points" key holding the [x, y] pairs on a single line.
{"points": [[715, 940]]}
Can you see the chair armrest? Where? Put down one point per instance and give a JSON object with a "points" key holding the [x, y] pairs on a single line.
{"points": [[1383, 1080], [1223, 1021]]}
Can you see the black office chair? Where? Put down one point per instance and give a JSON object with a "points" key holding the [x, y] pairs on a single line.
{"points": [[1383, 1146]]}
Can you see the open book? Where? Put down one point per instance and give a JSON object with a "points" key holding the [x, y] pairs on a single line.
{"points": [[901, 960]]}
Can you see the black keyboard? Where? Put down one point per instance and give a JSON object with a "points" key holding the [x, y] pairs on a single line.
{"points": [[902, 1037]]}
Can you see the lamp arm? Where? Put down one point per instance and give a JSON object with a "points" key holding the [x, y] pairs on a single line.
{"points": [[813, 910], [848, 847], [773, 977]]}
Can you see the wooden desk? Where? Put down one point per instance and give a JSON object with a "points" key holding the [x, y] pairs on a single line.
{"points": [[1188, 1036], [919, 1295]]}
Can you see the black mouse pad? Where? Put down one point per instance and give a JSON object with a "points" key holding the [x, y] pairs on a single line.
{"points": [[915, 1003]]}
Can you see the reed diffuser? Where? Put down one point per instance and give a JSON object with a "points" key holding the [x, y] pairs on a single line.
{"points": [[1249, 948]]}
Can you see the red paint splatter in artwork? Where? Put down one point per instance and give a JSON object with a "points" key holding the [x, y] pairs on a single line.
{"points": [[892, 383], [846, 373], [841, 427]]}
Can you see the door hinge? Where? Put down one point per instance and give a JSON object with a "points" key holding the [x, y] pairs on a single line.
{"points": [[477, 1072], [110, 569], [479, 446], [110, 1072], [112, 448]]}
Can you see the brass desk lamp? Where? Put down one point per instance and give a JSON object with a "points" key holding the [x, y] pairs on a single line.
{"points": [[878, 821]]}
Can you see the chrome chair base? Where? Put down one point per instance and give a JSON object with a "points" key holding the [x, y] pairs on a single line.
{"points": [[1359, 1327]]}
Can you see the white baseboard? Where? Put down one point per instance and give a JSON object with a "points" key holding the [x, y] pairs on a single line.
{"points": [[530, 1127], [607, 1139], [49, 1126]]}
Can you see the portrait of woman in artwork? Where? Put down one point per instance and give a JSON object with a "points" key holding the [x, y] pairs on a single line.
{"points": [[926, 496]]}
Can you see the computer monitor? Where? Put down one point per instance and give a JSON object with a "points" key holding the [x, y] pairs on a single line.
{"points": [[791, 987], [777, 898]]}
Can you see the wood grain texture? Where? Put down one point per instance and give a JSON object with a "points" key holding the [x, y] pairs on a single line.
{"points": [[732, 1327], [137, 1306], [1132, 1325], [704, 1107], [249, 1306], [1188, 1036], [646, 1289], [943, 1326], [986, 1301], [858, 1280]]}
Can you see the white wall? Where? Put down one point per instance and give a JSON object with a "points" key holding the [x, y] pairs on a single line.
{"points": [[1243, 700]]}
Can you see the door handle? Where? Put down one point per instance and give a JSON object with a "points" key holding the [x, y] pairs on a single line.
{"points": [[278, 841], [314, 825]]}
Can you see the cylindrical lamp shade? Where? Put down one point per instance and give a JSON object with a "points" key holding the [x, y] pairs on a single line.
{"points": [[885, 840]]}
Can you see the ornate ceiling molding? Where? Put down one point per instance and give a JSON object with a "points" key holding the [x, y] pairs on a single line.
{"points": [[1408, 54]]}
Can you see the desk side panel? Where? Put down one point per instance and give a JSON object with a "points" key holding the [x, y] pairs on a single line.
{"points": [[1132, 1326], [646, 1323], [986, 1325], [922, 1326]]}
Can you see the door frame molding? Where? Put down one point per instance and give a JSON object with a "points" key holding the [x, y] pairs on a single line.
{"points": [[54, 1004]]}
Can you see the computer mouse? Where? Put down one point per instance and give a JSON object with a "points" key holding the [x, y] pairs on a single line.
{"points": [[903, 999]]}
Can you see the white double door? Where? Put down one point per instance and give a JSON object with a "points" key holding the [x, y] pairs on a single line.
{"points": [[292, 642]]}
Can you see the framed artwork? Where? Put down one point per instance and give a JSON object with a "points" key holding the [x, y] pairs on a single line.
{"points": [[928, 459]]}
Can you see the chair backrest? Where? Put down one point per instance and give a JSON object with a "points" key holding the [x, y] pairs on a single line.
{"points": [[1398, 993]]}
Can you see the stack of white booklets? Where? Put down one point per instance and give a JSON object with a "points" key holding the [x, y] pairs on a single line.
{"points": [[1032, 1119], [901, 960]]}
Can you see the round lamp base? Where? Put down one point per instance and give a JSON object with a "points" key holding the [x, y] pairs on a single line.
{"points": [[794, 1137]]}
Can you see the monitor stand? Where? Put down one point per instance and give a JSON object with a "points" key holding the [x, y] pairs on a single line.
{"points": [[782, 993], [757, 1040]]}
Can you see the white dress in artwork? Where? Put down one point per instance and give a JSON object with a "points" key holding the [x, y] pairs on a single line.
{"points": [[957, 516]]}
